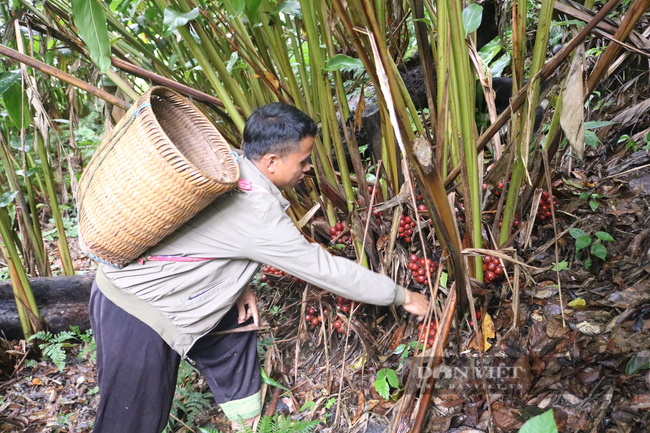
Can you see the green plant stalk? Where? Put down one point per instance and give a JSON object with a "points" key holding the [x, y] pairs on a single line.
{"points": [[212, 77], [20, 283], [36, 223], [32, 164], [215, 59], [66, 260], [527, 119], [32, 238], [296, 45], [280, 52], [380, 8], [461, 90], [122, 85]]}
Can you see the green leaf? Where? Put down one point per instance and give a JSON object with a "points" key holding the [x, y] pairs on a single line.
{"points": [[500, 64], [238, 6], [289, 8], [7, 198], [576, 233], [640, 361], [472, 16], [90, 20], [544, 423], [343, 62], [604, 236], [8, 79], [490, 50], [381, 385], [174, 19], [251, 9], [593, 204], [598, 124], [587, 263], [392, 378], [561, 266], [267, 380], [582, 242], [599, 250], [591, 139], [12, 98]]}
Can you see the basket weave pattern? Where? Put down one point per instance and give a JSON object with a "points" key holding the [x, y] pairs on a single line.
{"points": [[168, 163]]}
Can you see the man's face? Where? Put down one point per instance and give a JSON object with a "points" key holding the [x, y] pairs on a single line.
{"points": [[290, 169]]}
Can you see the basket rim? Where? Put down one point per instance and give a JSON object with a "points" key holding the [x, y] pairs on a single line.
{"points": [[228, 159]]}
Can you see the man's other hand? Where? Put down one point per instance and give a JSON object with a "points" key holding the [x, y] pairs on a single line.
{"points": [[416, 303], [249, 299]]}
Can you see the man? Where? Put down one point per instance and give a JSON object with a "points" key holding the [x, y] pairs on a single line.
{"points": [[148, 315]]}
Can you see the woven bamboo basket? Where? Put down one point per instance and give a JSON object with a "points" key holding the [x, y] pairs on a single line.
{"points": [[163, 162]]}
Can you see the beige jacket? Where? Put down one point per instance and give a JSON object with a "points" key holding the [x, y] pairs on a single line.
{"points": [[183, 301]]}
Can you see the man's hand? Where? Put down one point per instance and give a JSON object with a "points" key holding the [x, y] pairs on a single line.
{"points": [[249, 299], [416, 303]]}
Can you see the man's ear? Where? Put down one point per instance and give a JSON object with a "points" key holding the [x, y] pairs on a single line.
{"points": [[269, 160]]}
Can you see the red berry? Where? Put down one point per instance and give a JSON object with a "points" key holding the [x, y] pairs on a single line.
{"points": [[497, 193], [412, 224], [420, 278], [420, 326], [432, 331], [500, 185], [311, 310], [307, 317], [422, 207], [409, 232], [338, 324], [485, 267], [478, 315], [489, 275], [422, 261], [263, 277], [491, 266], [401, 229], [498, 270], [408, 219], [545, 195], [314, 321], [484, 186], [420, 271], [339, 227], [516, 223], [413, 258], [407, 239]]}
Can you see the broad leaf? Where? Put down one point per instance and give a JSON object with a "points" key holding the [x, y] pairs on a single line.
{"points": [[472, 16], [561, 266], [582, 242], [576, 233], [544, 423], [591, 139], [8, 79], [593, 205], [598, 124], [343, 62], [251, 9], [640, 361], [238, 6], [7, 198], [604, 236], [599, 250], [289, 8], [90, 20], [174, 19], [490, 50], [13, 101], [500, 64], [392, 378], [381, 385]]}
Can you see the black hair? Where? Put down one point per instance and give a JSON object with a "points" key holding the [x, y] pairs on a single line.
{"points": [[276, 128]]}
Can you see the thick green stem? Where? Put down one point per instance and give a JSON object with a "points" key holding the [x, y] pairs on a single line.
{"points": [[66, 260]]}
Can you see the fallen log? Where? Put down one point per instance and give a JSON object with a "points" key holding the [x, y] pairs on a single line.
{"points": [[62, 302]]}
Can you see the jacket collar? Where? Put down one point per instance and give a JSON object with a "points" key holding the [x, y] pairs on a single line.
{"points": [[249, 171]]}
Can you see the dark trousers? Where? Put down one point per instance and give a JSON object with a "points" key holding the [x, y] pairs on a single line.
{"points": [[137, 370]]}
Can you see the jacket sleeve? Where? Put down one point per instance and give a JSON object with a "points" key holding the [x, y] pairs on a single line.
{"points": [[278, 243]]}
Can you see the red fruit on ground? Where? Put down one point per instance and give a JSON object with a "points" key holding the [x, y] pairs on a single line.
{"points": [[420, 278], [498, 270], [408, 220], [407, 239], [308, 317], [421, 271], [491, 267], [413, 258], [489, 275], [311, 310], [339, 227], [422, 207], [516, 223], [314, 321], [500, 185]]}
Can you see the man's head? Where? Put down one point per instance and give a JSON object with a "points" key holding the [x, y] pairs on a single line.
{"points": [[278, 138]]}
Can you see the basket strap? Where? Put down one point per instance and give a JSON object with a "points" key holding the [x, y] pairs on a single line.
{"points": [[141, 260], [245, 185], [116, 135]]}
